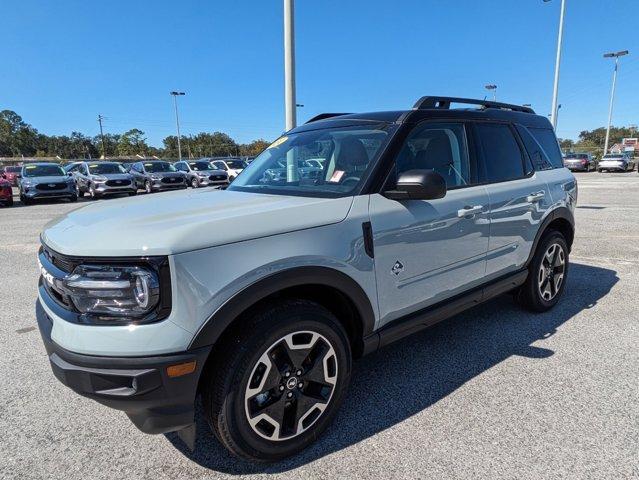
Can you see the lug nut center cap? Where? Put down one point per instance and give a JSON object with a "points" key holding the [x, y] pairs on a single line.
{"points": [[291, 383]]}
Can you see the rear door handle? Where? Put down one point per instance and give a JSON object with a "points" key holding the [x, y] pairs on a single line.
{"points": [[468, 211], [535, 197]]}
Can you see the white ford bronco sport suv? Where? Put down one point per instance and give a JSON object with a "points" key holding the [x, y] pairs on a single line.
{"points": [[258, 298]]}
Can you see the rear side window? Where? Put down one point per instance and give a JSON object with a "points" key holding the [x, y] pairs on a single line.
{"points": [[548, 141], [537, 154], [501, 153]]}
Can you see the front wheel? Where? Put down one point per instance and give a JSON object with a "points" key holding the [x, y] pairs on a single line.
{"points": [[279, 382], [194, 183], [147, 186], [547, 274]]}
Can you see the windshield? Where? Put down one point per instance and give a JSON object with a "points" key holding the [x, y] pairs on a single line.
{"points": [[236, 164], [200, 166], [105, 168], [156, 167], [343, 158], [12, 169], [43, 171]]}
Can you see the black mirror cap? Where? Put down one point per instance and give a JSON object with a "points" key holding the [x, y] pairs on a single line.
{"points": [[418, 185]]}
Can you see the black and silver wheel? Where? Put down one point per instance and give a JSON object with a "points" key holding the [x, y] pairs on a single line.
{"points": [[547, 275], [551, 271], [280, 382], [291, 385], [195, 183], [147, 186]]}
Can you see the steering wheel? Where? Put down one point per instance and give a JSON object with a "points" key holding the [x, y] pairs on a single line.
{"points": [[352, 180]]}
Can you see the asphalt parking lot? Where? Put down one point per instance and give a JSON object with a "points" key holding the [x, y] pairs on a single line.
{"points": [[492, 393]]}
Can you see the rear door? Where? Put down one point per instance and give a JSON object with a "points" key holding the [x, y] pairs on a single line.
{"points": [[429, 250], [518, 197]]}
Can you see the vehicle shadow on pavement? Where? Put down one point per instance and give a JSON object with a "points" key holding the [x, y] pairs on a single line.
{"points": [[407, 377]]}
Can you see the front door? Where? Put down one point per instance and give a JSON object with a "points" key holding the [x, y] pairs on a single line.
{"points": [[430, 250]]}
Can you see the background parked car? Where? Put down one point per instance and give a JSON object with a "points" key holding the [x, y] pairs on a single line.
{"points": [[101, 178], [619, 162], [6, 193], [200, 173], [45, 180], [12, 174], [157, 175], [581, 162], [232, 166]]}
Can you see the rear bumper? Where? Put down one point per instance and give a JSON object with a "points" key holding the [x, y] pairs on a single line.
{"points": [[576, 167], [139, 386]]}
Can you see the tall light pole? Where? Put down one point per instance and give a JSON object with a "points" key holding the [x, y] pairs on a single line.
{"points": [[100, 118], [177, 121], [493, 87], [555, 88], [616, 56], [289, 64]]}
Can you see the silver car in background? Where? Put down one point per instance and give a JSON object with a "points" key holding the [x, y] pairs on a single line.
{"points": [[580, 162], [101, 178], [616, 162], [200, 173]]}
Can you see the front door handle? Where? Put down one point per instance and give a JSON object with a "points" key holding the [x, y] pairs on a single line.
{"points": [[535, 197], [469, 211]]}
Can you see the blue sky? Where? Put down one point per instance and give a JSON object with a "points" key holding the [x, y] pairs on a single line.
{"points": [[64, 62]]}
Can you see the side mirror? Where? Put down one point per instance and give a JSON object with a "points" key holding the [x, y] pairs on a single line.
{"points": [[418, 185]]}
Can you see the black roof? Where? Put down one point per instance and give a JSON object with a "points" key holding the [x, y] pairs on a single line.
{"points": [[433, 107]]}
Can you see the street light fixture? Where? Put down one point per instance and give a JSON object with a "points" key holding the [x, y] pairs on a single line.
{"points": [[175, 94], [555, 89], [492, 87], [616, 56]]}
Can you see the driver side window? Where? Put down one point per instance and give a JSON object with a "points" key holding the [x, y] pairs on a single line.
{"points": [[441, 147]]}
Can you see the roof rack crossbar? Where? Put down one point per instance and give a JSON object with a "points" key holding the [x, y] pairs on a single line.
{"points": [[444, 103], [323, 116]]}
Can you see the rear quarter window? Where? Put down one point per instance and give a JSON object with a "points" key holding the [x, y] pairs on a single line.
{"points": [[548, 141]]}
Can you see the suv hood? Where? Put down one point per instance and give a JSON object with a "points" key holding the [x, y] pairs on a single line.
{"points": [[47, 179], [176, 222]]}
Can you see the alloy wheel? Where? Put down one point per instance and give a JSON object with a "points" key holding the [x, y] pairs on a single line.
{"points": [[291, 385], [551, 271]]}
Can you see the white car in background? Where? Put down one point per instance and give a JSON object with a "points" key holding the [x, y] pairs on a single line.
{"points": [[620, 162], [232, 166]]}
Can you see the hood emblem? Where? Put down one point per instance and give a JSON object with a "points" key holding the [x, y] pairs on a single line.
{"points": [[397, 268]]}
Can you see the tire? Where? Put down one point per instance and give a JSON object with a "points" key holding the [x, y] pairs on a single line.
{"points": [[194, 183], [147, 186], [10, 202], [73, 198], [545, 285], [26, 200], [133, 194], [80, 193], [232, 408], [92, 193]]}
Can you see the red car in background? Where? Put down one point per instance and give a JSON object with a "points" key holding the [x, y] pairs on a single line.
{"points": [[11, 174], [6, 193]]}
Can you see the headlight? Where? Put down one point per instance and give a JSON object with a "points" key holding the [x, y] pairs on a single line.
{"points": [[203, 174], [113, 291], [99, 179], [156, 177]]}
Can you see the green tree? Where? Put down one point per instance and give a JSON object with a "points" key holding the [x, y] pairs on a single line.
{"points": [[254, 148], [132, 143]]}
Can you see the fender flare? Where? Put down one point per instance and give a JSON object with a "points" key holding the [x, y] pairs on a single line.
{"points": [[221, 319], [559, 213]]}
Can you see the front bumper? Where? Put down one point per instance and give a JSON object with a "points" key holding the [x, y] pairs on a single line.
{"points": [[34, 194], [103, 189], [139, 386], [159, 185]]}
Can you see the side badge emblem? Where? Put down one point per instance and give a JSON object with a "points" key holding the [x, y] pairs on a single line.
{"points": [[397, 268]]}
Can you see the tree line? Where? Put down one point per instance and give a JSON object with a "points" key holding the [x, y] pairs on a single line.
{"points": [[592, 141], [18, 138]]}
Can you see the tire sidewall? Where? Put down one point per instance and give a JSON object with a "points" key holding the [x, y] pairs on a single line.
{"points": [[233, 408]]}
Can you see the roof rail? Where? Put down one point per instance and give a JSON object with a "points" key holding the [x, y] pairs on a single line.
{"points": [[323, 116], [444, 103]]}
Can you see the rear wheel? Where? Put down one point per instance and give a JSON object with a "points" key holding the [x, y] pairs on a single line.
{"points": [[278, 384], [547, 274]]}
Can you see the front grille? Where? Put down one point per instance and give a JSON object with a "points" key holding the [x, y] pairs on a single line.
{"points": [[217, 178], [51, 186], [172, 180], [64, 263], [117, 183]]}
